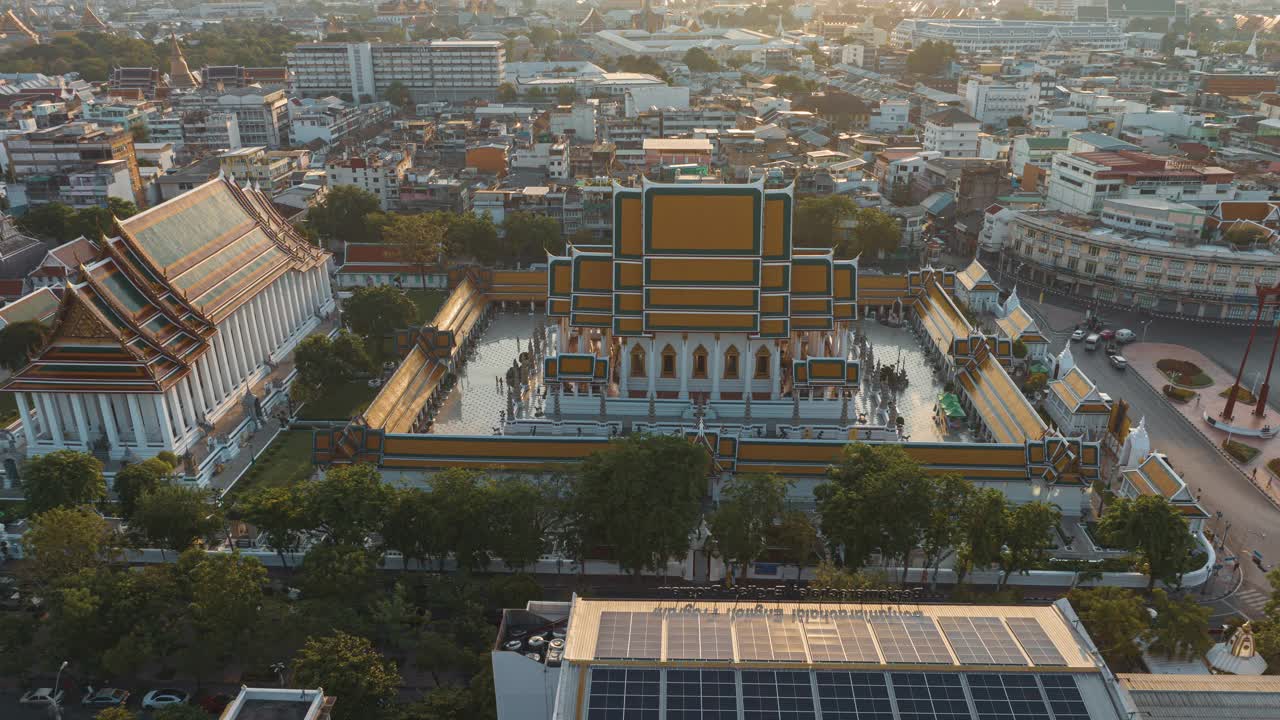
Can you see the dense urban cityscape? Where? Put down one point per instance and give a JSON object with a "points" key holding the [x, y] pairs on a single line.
{"points": [[639, 360]]}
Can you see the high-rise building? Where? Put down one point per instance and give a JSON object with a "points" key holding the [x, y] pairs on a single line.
{"points": [[430, 69], [53, 162]]}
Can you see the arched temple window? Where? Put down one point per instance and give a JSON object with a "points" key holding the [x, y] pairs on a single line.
{"points": [[731, 363], [668, 362], [700, 362], [762, 363], [637, 361]]}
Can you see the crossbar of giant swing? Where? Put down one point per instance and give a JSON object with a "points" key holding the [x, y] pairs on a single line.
{"points": [[1264, 293]]}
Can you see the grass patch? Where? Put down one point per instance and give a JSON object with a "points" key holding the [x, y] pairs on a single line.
{"points": [[1184, 373], [1177, 394], [286, 461], [339, 403], [1242, 395], [1241, 452], [428, 302], [1274, 466]]}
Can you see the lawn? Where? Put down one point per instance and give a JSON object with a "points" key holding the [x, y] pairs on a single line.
{"points": [[1241, 452], [1242, 395], [428, 302], [339, 403], [1173, 392], [1186, 374], [286, 461]]}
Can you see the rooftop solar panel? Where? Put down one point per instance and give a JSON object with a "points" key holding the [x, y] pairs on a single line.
{"points": [[702, 695], [1035, 641], [854, 696], [981, 641], [930, 696], [773, 640], [841, 640], [629, 635], [623, 694], [699, 636], [777, 695], [910, 639], [1064, 697], [1007, 697]]}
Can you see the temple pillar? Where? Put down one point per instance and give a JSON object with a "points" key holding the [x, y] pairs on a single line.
{"points": [[279, 328], [624, 368], [238, 347], [258, 329], [28, 420], [684, 367], [166, 427], [298, 299], [196, 380], [135, 417], [775, 373], [188, 405], [54, 421], [109, 423], [82, 427], [651, 362], [222, 363], [748, 365], [716, 369]]}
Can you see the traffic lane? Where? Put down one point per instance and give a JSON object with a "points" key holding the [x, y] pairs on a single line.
{"points": [[1217, 483]]}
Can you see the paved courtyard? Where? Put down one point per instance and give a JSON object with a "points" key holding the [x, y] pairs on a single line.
{"points": [[924, 386], [476, 402]]}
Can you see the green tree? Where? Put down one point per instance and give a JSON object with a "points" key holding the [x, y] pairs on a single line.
{"points": [[507, 93], [395, 619], [1152, 527], [1027, 537], [1180, 628], [829, 575], [611, 499], [793, 85], [137, 479], [226, 597], [344, 215], [530, 236], [54, 221], [180, 712], [874, 231], [377, 311], [325, 364], [420, 239], [740, 524], [698, 60], [62, 542], [930, 58], [122, 209], [642, 64], [443, 703], [280, 513], [413, 526], [566, 94], [175, 517], [62, 478], [439, 653], [19, 341], [1115, 619], [348, 667], [522, 513], [475, 236], [982, 532], [463, 498], [348, 504], [877, 498], [798, 539], [344, 574], [816, 219], [948, 497], [398, 94]]}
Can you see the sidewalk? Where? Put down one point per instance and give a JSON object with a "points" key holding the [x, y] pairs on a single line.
{"points": [[1143, 358]]}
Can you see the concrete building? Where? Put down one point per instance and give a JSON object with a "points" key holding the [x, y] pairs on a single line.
{"points": [[329, 119], [890, 116], [279, 704], [123, 112], [953, 133], [1081, 182], [270, 171], [449, 70], [70, 162], [993, 103], [261, 115], [1038, 151], [660, 152], [380, 174], [986, 36], [576, 122]]}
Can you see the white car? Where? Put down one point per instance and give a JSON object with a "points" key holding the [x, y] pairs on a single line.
{"points": [[1125, 335], [41, 696], [1118, 362], [1078, 335], [164, 698], [106, 697]]}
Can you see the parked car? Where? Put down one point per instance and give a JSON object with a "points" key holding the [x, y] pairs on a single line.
{"points": [[1125, 335], [1119, 363], [106, 697], [1091, 342], [41, 696], [164, 698], [1107, 334], [1078, 335]]}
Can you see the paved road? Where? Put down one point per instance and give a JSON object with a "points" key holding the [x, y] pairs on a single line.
{"points": [[1254, 522]]}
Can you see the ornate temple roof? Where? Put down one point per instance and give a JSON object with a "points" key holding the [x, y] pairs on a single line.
{"points": [[144, 309]]}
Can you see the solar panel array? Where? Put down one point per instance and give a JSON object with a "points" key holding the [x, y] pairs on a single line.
{"points": [[981, 641], [720, 694], [879, 639], [910, 639]]}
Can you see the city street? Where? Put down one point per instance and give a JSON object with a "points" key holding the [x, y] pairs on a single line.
{"points": [[1252, 520]]}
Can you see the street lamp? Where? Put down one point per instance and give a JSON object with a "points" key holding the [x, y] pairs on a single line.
{"points": [[1146, 324], [57, 687]]}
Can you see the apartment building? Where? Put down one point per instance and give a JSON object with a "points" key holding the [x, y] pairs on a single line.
{"points": [[261, 115], [986, 36], [380, 174], [118, 111], [75, 162], [270, 170], [329, 119], [450, 70], [952, 132], [1081, 182], [993, 103], [1037, 151], [890, 116]]}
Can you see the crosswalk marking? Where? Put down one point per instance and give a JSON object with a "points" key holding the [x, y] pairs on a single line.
{"points": [[1249, 599]]}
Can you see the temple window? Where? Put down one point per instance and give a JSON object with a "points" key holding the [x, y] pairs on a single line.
{"points": [[668, 362], [700, 362], [637, 361], [731, 363], [762, 364]]}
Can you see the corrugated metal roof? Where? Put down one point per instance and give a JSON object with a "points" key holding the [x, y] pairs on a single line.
{"points": [[1141, 682]]}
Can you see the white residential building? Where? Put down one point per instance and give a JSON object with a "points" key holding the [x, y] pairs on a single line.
{"points": [[891, 116], [985, 36], [993, 103], [452, 70], [1038, 151], [952, 132], [379, 174], [1082, 182], [261, 115], [577, 121]]}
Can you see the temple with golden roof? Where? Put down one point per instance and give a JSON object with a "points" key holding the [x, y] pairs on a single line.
{"points": [[160, 335]]}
